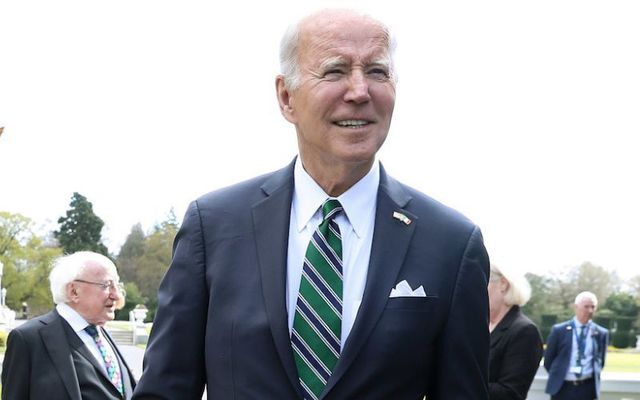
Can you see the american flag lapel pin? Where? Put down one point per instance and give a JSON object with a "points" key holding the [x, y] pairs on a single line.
{"points": [[401, 217]]}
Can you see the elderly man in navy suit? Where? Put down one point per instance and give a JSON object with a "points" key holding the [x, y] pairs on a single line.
{"points": [[327, 279], [66, 354], [575, 354]]}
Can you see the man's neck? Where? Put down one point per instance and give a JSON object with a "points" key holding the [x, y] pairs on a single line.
{"points": [[337, 178], [585, 322]]}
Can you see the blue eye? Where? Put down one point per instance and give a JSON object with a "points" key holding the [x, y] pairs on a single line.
{"points": [[333, 73], [378, 73]]}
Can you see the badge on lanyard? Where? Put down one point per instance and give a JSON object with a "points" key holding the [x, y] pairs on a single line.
{"points": [[581, 340], [576, 369]]}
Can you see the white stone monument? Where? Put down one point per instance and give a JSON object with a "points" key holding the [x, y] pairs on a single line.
{"points": [[7, 316], [137, 316]]}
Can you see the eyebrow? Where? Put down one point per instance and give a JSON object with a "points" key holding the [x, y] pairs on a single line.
{"points": [[339, 61], [332, 62]]}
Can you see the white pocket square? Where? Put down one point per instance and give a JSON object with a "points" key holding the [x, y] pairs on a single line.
{"points": [[403, 289]]}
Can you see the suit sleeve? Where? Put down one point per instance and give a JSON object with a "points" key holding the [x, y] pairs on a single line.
{"points": [[463, 357], [520, 362], [174, 365], [552, 349], [16, 369], [605, 343]]}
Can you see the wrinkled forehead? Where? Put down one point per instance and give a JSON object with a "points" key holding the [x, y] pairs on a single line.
{"points": [[346, 35], [586, 302], [99, 271]]}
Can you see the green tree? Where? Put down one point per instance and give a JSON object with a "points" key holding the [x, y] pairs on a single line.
{"points": [[539, 303], [567, 283], [133, 298], [14, 228], [27, 263], [634, 286], [622, 305], [132, 249], [595, 279], [81, 228], [143, 260], [156, 260], [562, 292]]}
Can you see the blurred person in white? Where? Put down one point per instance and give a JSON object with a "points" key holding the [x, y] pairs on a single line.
{"points": [[516, 343]]}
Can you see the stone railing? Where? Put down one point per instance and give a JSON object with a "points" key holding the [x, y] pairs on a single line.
{"points": [[613, 386]]}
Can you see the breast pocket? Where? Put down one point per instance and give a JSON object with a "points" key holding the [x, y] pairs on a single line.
{"points": [[406, 331], [424, 304]]}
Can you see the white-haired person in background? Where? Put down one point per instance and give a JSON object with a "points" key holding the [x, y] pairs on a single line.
{"points": [[516, 344], [575, 353], [66, 354]]}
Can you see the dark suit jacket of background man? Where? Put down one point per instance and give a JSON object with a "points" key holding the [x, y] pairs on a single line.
{"points": [[222, 316], [50, 362], [558, 354], [514, 358]]}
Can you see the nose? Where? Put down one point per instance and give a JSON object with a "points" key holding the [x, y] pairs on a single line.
{"points": [[115, 293], [357, 88]]}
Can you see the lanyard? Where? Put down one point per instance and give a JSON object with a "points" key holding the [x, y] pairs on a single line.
{"points": [[582, 341]]}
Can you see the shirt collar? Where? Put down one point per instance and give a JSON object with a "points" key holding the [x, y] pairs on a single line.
{"points": [[72, 317], [357, 202], [578, 324]]}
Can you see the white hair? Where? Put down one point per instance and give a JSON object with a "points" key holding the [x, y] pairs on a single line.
{"points": [[586, 295], [519, 291], [67, 268], [289, 50]]}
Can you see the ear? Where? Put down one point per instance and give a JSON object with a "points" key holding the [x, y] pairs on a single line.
{"points": [[72, 292], [504, 284], [284, 100]]}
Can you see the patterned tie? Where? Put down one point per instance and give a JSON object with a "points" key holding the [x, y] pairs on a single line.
{"points": [[318, 319], [113, 369]]}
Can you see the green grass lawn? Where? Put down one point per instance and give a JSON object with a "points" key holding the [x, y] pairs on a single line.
{"points": [[124, 325], [622, 361]]}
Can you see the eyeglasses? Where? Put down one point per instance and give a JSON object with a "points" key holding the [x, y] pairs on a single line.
{"points": [[108, 285]]}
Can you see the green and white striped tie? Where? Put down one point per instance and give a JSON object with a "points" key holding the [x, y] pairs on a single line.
{"points": [[318, 319]]}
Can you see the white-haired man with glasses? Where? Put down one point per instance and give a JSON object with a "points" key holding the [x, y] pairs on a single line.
{"points": [[66, 353]]}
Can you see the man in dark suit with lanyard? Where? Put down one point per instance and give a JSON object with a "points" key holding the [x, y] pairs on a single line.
{"points": [[327, 279], [66, 354], [575, 353]]}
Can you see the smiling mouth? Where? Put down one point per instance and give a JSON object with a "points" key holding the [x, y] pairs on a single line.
{"points": [[352, 123]]}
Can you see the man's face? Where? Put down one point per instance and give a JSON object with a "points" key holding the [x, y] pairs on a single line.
{"points": [[343, 106], [94, 303], [585, 309]]}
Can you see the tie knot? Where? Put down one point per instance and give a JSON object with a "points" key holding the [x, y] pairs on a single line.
{"points": [[92, 330], [331, 208]]}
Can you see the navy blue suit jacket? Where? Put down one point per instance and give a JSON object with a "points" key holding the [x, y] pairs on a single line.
{"points": [[558, 354], [45, 359], [222, 317]]}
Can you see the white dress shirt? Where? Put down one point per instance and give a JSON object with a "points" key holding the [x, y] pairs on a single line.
{"points": [[356, 227], [78, 324], [587, 358]]}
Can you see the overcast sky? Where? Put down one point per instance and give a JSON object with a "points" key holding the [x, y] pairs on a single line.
{"points": [[522, 115]]}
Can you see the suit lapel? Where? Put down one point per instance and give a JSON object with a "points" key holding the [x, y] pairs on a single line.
{"points": [[502, 327], [57, 345], [271, 227], [78, 345], [597, 341], [391, 240]]}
